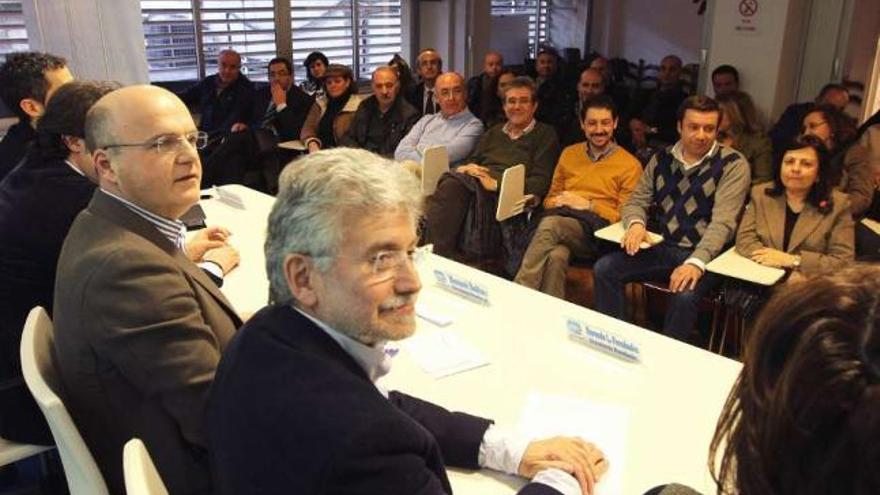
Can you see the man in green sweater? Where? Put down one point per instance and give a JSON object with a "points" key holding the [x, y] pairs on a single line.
{"points": [[521, 140]]}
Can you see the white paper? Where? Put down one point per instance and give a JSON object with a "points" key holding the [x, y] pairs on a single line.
{"points": [[605, 425], [433, 314], [440, 353]]}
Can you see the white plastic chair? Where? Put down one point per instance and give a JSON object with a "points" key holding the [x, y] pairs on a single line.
{"points": [[41, 376], [141, 477], [13, 451]]}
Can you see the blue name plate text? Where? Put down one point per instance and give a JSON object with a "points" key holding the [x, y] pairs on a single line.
{"points": [[603, 340], [462, 286]]}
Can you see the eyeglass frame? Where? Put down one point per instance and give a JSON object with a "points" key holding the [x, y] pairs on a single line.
{"points": [[384, 274], [201, 141]]}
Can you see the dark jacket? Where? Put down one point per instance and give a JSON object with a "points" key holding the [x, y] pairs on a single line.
{"points": [[14, 146], [416, 96], [291, 412], [219, 111], [288, 122], [387, 130], [789, 125], [38, 202]]}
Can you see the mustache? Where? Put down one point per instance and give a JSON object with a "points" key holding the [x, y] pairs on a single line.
{"points": [[395, 302]]}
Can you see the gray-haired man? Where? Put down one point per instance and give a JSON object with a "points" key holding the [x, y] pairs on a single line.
{"points": [[294, 406]]}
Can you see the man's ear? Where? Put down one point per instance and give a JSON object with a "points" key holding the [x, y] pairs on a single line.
{"points": [[74, 144], [301, 276], [31, 107], [103, 167]]}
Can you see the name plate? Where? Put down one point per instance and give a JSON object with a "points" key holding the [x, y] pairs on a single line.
{"points": [[462, 286], [603, 340], [230, 198]]}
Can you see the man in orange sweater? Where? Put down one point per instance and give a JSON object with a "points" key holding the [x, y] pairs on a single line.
{"points": [[592, 180]]}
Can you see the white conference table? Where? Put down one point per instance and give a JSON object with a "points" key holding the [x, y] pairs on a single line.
{"points": [[672, 397]]}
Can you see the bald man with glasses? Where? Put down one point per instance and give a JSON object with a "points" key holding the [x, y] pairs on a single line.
{"points": [[139, 328]]}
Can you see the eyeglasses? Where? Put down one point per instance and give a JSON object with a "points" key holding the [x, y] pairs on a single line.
{"points": [[450, 92], [169, 143], [385, 264]]}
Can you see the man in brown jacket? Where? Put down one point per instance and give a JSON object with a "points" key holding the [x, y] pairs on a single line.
{"points": [[139, 328]]}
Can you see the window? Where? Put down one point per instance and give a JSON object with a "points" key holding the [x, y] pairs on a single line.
{"points": [[539, 17], [326, 26], [183, 37], [13, 34]]}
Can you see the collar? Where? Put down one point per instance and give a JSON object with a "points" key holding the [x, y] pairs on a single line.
{"points": [[173, 230], [612, 147], [677, 153], [373, 359], [529, 128], [75, 168]]}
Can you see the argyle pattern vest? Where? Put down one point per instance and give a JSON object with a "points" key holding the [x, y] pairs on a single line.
{"points": [[683, 200]]}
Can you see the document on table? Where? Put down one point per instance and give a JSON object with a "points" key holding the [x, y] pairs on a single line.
{"points": [[441, 353], [605, 425]]}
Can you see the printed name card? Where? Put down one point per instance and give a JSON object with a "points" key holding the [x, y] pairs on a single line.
{"points": [[462, 286], [230, 198], [603, 340]]}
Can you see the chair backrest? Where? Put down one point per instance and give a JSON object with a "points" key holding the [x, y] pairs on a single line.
{"points": [[41, 375], [13, 451], [511, 193], [141, 477], [435, 162]]}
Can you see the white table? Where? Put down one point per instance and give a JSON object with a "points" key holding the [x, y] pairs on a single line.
{"points": [[674, 396]]}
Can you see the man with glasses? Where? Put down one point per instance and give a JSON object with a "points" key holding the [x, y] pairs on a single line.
{"points": [[139, 328], [454, 126], [295, 407], [521, 140]]}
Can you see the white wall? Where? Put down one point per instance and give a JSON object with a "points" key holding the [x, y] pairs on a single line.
{"points": [[568, 24], [647, 29]]}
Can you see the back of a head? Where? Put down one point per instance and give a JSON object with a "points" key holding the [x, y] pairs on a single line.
{"points": [[804, 415], [66, 114], [22, 76], [315, 195]]}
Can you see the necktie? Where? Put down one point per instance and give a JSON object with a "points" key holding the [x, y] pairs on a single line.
{"points": [[268, 116], [429, 101]]}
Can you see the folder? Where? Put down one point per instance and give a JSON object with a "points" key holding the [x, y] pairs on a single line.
{"points": [[435, 162], [511, 193]]}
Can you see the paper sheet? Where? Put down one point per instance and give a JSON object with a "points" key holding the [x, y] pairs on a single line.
{"points": [[440, 353], [605, 425]]}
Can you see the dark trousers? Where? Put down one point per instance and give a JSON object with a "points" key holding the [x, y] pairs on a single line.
{"points": [[656, 264], [446, 213]]}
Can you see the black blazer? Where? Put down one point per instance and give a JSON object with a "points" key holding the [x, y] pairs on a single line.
{"points": [[291, 412], [288, 122], [38, 202], [14, 146], [416, 98]]}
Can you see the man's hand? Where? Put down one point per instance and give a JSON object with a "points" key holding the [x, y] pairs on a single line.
{"points": [[773, 257], [238, 127], [279, 96], [581, 459], [574, 201], [204, 240], [635, 235], [314, 146], [481, 173], [684, 277], [226, 257]]}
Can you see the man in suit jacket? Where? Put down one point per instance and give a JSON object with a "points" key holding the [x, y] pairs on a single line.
{"points": [[139, 329], [284, 105], [429, 65], [295, 407]]}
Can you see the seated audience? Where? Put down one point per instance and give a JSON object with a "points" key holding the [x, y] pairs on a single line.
{"points": [[791, 121], [139, 329], [330, 117], [493, 108], [798, 221], [404, 73], [454, 127], [695, 191], [522, 140], [725, 79], [850, 168], [617, 89], [382, 120], [590, 84], [656, 110], [802, 416], [27, 81], [591, 182], [38, 202], [484, 85], [344, 284], [316, 64], [555, 102], [225, 100], [741, 131], [429, 65]]}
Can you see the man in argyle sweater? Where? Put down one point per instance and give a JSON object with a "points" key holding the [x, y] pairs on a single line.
{"points": [[694, 192]]}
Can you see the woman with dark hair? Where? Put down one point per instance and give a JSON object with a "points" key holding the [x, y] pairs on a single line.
{"points": [[739, 128], [404, 74], [798, 222], [316, 64], [804, 415], [850, 168], [329, 119]]}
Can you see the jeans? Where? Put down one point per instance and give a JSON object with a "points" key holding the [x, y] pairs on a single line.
{"points": [[655, 264]]}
